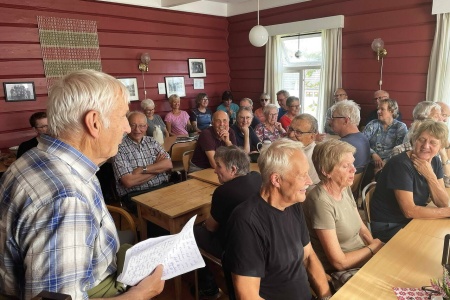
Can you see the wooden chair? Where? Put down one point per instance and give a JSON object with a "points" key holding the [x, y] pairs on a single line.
{"points": [[367, 193], [176, 154], [51, 296], [357, 185], [128, 234], [186, 160]]}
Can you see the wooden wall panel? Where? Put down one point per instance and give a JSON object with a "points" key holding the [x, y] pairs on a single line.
{"points": [[406, 26], [125, 32]]}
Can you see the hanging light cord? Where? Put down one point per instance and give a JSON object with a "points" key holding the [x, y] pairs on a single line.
{"points": [[145, 90], [381, 73], [258, 12]]}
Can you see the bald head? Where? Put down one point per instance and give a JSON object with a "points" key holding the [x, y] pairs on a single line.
{"points": [[220, 121], [340, 94], [379, 95]]}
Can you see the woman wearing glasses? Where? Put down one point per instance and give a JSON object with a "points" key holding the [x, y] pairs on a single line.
{"points": [[270, 129], [201, 116], [259, 113], [153, 120], [293, 104], [246, 137], [177, 120], [338, 234]]}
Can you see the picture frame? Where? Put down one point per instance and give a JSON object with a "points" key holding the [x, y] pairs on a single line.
{"points": [[175, 85], [197, 67], [19, 91], [131, 85]]}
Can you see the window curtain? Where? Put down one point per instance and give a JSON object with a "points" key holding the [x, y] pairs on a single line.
{"points": [[438, 87], [331, 73], [272, 72]]}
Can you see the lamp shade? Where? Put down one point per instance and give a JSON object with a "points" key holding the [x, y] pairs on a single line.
{"points": [[377, 44], [258, 36], [145, 58]]}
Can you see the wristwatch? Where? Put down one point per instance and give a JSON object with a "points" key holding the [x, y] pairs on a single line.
{"points": [[144, 170]]}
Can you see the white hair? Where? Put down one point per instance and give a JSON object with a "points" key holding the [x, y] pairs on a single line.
{"points": [[78, 92], [349, 109]]}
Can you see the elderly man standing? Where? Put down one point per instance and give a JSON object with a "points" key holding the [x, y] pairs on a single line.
{"points": [[219, 134], [39, 122], [303, 128], [56, 233], [344, 120], [267, 248], [141, 164], [247, 103], [281, 98], [339, 95]]}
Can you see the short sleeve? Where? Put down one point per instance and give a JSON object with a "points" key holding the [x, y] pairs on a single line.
{"points": [[400, 177], [321, 211]]}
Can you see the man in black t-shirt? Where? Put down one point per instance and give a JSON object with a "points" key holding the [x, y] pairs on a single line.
{"points": [[267, 246], [39, 123]]}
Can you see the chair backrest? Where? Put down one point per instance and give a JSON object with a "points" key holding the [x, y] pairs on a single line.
{"points": [[177, 149], [187, 155], [366, 195], [128, 235]]}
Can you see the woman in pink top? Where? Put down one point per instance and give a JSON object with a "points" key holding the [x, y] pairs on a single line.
{"points": [[177, 120], [259, 113], [293, 104]]}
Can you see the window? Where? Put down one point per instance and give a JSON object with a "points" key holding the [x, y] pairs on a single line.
{"points": [[302, 59]]}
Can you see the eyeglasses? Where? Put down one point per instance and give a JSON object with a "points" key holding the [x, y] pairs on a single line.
{"points": [[41, 127], [379, 98], [332, 118], [339, 95], [205, 99], [149, 109], [264, 100], [297, 133], [140, 126], [273, 115]]}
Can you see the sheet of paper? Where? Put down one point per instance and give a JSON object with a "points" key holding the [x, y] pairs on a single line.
{"points": [[178, 254]]}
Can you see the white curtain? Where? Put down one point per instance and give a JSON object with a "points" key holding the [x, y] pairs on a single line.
{"points": [[331, 73], [272, 76], [438, 80]]}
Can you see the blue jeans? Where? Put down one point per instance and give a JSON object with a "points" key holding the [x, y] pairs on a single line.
{"points": [[385, 231]]}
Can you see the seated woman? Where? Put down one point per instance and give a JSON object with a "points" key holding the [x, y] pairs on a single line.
{"points": [[408, 180], [153, 120], [201, 116], [264, 100], [338, 234], [228, 106], [293, 105], [177, 120], [385, 132], [245, 135], [270, 129]]}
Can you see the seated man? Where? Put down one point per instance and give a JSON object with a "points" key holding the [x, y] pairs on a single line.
{"points": [[238, 185], [303, 128], [267, 246], [339, 95], [141, 164], [219, 134], [56, 233], [248, 104], [344, 121], [39, 122]]}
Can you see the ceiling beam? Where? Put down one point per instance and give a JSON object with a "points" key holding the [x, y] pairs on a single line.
{"points": [[171, 3]]}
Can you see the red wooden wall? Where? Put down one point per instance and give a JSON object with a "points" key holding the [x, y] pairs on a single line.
{"points": [[124, 32], [406, 26]]}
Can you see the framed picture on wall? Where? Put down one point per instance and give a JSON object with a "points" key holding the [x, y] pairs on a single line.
{"points": [[19, 91], [197, 67], [131, 84], [175, 85]]}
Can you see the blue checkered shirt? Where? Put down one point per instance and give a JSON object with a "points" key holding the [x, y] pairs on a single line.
{"points": [[383, 141], [56, 233], [132, 155]]}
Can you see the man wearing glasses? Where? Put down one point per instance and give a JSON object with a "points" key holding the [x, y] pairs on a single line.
{"points": [[377, 96], [281, 98], [303, 128], [39, 122], [247, 103], [339, 95], [141, 164]]}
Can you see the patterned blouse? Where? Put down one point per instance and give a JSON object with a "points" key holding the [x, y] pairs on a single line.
{"points": [[264, 133], [383, 141]]}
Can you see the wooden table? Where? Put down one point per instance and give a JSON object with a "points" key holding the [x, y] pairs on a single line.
{"points": [[208, 175], [410, 259], [171, 207]]}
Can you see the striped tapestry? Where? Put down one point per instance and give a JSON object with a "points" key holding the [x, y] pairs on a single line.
{"points": [[68, 45]]}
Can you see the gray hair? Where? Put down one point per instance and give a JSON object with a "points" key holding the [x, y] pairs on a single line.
{"points": [[268, 108], [234, 156], [423, 109], [241, 109], [147, 103], [437, 129], [265, 95], [277, 158], [291, 99], [328, 154], [349, 109], [284, 92], [310, 119], [78, 92], [248, 100], [136, 112], [392, 106], [173, 97]]}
